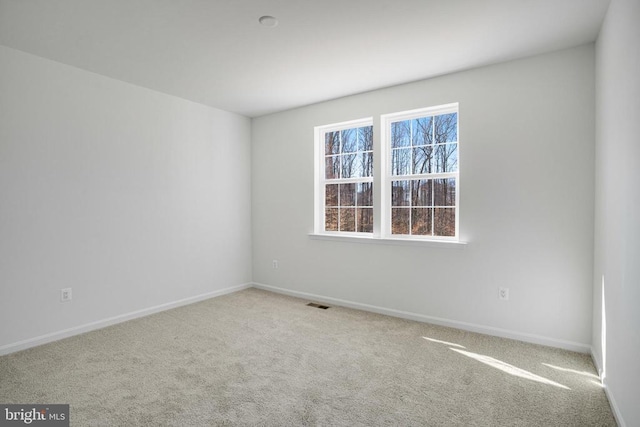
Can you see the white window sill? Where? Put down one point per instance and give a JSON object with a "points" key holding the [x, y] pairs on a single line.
{"points": [[448, 244]]}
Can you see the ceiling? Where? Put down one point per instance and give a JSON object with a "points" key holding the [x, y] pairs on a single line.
{"points": [[216, 53]]}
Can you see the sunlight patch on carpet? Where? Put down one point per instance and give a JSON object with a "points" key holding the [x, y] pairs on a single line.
{"points": [[444, 342], [573, 371], [509, 369]]}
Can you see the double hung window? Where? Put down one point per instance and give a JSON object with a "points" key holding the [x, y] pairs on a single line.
{"points": [[347, 177], [422, 172], [408, 190]]}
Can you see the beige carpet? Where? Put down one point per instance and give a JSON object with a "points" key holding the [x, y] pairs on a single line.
{"points": [[258, 358]]}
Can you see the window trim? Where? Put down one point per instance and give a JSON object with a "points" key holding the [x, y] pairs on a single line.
{"points": [[395, 241]]}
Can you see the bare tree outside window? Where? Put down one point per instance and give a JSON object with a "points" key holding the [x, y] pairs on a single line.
{"points": [[424, 166], [349, 180]]}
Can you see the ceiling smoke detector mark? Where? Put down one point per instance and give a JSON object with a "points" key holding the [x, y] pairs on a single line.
{"points": [[313, 304], [268, 21]]}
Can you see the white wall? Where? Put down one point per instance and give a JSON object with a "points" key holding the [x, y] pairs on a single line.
{"points": [[617, 237], [527, 155], [131, 197]]}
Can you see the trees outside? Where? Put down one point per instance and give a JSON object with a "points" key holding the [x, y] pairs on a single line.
{"points": [[421, 148], [349, 157]]}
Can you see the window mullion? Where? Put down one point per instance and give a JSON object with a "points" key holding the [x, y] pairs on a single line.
{"points": [[380, 186]]}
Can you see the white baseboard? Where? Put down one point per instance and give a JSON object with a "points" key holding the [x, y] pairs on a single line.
{"points": [[488, 330], [614, 406], [536, 339], [596, 361], [607, 391], [76, 330]]}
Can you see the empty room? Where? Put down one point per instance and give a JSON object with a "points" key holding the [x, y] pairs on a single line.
{"points": [[305, 212]]}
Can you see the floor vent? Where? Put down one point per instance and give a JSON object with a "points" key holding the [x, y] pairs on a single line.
{"points": [[313, 304]]}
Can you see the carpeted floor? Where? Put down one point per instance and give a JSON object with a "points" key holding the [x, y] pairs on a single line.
{"points": [[259, 358]]}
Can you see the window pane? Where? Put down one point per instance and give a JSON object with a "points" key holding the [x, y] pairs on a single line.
{"points": [[445, 222], [365, 138], [347, 194], [332, 167], [348, 155], [365, 194], [365, 220], [421, 192], [446, 128], [349, 140], [422, 159], [446, 158], [421, 221], [365, 164], [331, 143], [331, 220], [331, 195], [349, 166], [422, 131], [400, 193], [400, 220], [400, 134], [401, 161], [444, 192], [347, 219]]}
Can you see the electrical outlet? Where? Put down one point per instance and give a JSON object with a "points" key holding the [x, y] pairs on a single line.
{"points": [[275, 264], [503, 294], [65, 295]]}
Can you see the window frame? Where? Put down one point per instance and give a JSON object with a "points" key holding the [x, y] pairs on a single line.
{"points": [[320, 180], [387, 177], [382, 179]]}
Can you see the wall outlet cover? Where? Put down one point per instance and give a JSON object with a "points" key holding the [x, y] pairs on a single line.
{"points": [[65, 295]]}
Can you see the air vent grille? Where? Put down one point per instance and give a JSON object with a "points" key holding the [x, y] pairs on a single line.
{"points": [[313, 304]]}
